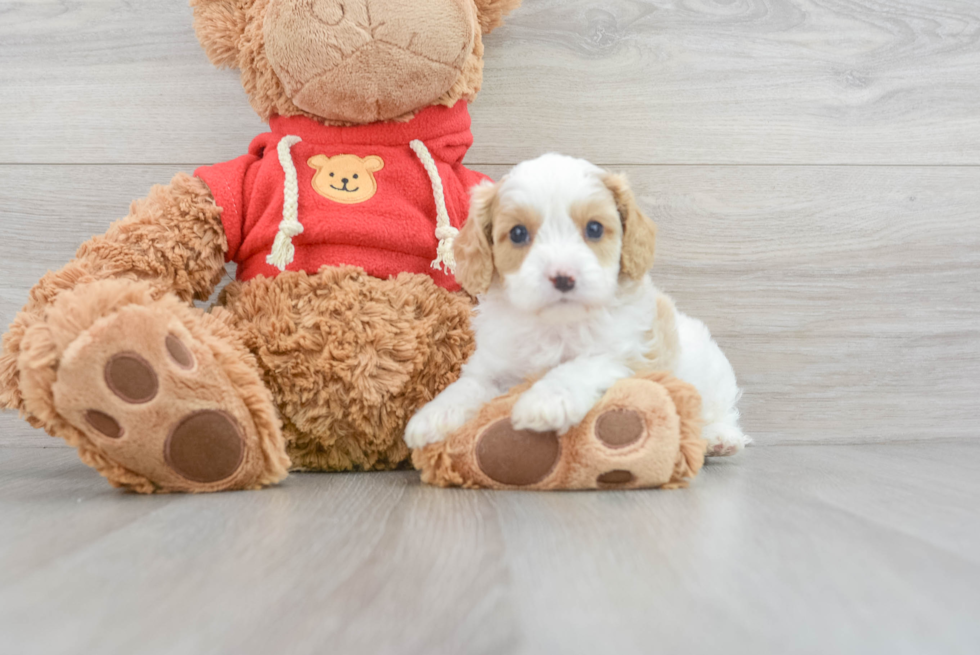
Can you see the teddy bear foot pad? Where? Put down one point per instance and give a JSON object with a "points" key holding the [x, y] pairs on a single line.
{"points": [[636, 437], [155, 400], [522, 457]]}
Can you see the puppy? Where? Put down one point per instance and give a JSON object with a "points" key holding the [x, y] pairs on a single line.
{"points": [[558, 254]]}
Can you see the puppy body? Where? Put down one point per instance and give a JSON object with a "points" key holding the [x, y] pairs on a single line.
{"points": [[558, 254]]}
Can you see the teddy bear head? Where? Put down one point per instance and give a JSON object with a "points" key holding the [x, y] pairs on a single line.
{"points": [[345, 62]]}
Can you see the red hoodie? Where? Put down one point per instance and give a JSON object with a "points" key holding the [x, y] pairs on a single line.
{"points": [[362, 195]]}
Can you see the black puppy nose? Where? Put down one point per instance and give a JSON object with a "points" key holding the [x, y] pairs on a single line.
{"points": [[563, 283], [345, 180]]}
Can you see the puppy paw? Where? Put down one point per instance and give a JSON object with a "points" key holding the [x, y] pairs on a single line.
{"points": [[549, 408], [724, 440], [434, 423]]}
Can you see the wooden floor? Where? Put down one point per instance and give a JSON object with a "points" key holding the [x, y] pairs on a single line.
{"points": [[796, 549], [814, 166]]}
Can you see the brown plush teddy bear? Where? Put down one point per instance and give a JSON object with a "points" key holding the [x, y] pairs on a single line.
{"points": [[345, 317]]}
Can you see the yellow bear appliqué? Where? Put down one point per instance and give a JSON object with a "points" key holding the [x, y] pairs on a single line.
{"points": [[347, 179]]}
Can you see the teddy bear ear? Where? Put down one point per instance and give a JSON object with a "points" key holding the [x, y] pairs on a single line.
{"points": [[318, 161], [374, 164], [492, 12], [220, 25]]}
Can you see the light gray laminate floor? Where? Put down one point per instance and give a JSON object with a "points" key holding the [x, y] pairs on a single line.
{"points": [[814, 167], [789, 549]]}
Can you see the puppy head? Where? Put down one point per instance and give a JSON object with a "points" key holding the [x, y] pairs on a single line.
{"points": [[557, 234]]}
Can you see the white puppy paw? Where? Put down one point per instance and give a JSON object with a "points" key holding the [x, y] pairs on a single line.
{"points": [[549, 407], [434, 423], [724, 440]]}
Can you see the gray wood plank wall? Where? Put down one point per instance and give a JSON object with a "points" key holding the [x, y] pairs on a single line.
{"points": [[814, 166]]}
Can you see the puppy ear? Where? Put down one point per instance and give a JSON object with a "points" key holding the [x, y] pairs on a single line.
{"points": [[492, 12], [639, 232], [219, 25], [373, 164], [473, 247]]}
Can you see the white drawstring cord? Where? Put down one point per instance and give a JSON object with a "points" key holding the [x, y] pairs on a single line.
{"points": [[283, 250], [445, 231]]}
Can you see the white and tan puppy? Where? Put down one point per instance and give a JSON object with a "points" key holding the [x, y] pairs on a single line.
{"points": [[558, 254]]}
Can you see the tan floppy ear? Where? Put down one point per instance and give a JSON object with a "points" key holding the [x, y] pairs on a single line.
{"points": [[474, 245], [373, 164], [219, 25], [639, 232], [492, 12]]}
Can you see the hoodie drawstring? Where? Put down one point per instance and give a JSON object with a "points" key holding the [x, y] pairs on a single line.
{"points": [[445, 232], [283, 250]]}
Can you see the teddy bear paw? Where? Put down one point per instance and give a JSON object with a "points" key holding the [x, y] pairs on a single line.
{"points": [[155, 401], [635, 437]]}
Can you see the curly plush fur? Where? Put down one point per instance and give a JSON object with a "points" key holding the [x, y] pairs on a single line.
{"points": [[343, 358], [74, 314], [326, 367], [349, 358], [120, 269], [173, 239]]}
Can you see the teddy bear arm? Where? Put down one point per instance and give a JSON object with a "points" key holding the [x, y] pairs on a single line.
{"points": [[173, 239]]}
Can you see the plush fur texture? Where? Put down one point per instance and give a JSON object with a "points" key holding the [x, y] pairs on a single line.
{"points": [[281, 46], [61, 362], [337, 361], [349, 358], [558, 252], [667, 454], [343, 358], [173, 239]]}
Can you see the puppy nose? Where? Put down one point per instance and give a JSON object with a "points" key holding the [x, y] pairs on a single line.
{"points": [[563, 283], [345, 180]]}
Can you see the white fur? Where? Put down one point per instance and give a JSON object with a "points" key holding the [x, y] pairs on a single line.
{"points": [[579, 343]]}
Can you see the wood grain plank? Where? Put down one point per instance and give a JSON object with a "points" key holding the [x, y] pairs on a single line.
{"points": [[16, 433], [618, 81], [856, 549], [847, 298]]}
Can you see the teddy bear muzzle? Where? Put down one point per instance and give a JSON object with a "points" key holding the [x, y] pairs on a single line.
{"points": [[360, 62]]}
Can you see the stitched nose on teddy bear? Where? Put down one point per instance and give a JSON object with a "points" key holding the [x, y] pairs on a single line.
{"points": [[362, 61]]}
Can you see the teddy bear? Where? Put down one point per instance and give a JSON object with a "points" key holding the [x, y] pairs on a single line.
{"points": [[344, 317]]}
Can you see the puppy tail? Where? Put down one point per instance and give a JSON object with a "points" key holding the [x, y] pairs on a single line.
{"points": [[665, 348]]}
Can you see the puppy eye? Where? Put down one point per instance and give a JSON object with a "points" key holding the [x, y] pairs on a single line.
{"points": [[331, 175], [355, 176], [594, 230], [519, 235]]}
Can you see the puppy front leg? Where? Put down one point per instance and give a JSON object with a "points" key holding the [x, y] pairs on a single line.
{"points": [[561, 399], [450, 410]]}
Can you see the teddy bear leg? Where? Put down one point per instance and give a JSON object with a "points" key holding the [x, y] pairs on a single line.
{"points": [[350, 358], [645, 432], [156, 395]]}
